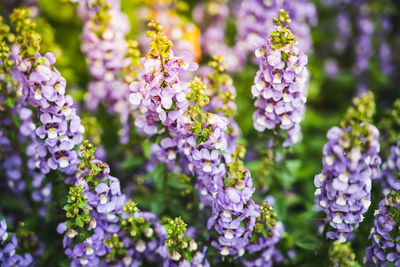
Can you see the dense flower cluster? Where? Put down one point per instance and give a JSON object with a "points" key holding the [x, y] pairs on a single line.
{"points": [[181, 248], [341, 254], [212, 16], [280, 83], [106, 49], [8, 248], [364, 42], [60, 127], [11, 164], [267, 232], [186, 156], [184, 34], [390, 170], [255, 17], [359, 27], [350, 161], [91, 208], [49, 141], [104, 227], [96, 210], [197, 139], [222, 94], [154, 94], [384, 235], [234, 211]]}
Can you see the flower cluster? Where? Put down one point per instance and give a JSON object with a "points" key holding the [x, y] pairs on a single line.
{"points": [[364, 42], [234, 211], [11, 164], [281, 82], [32, 81], [198, 139], [365, 31], [10, 160], [212, 15], [43, 88], [106, 50], [341, 254], [92, 211], [390, 124], [144, 234], [350, 161], [222, 94], [9, 246], [267, 232], [385, 249], [390, 169], [183, 250], [60, 127], [254, 19], [104, 226], [158, 88]]}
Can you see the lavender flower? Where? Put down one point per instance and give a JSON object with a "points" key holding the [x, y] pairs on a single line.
{"points": [[390, 169], [8, 248], [280, 83], [384, 235], [344, 29], [364, 42], [234, 211], [222, 94], [11, 165], [60, 127], [212, 16], [93, 204], [105, 228], [267, 232], [153, 99], [350, 161], [181, 31], [254, 19], [183, 250], [16, 83], [43, 88], [106, 49], [196, 138]]}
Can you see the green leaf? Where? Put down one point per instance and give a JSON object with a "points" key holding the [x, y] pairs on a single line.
{"points": [[132, 162], [146, 149], [158, 175], [308, 243], [79, 221], [293, 166], [41, 61]]}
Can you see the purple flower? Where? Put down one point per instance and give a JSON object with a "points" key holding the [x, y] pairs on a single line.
{"points": [[254, 20], [59, 127], [39, 89], [11, 164], [105, 48], [385, 248], [154, 100], [212, 17], [390, 169], [8, 250], [110, 224], [280, 89], [266, 234], [344, 185]]}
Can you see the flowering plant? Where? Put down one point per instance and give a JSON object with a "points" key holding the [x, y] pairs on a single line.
{"points": [[190, 133]]}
